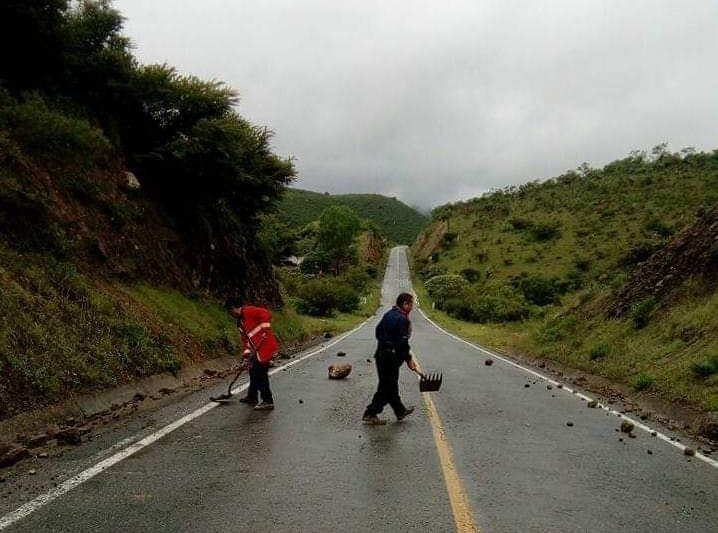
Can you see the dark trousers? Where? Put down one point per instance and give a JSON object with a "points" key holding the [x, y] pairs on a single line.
{"points": [[388, 390], [259, 382]]}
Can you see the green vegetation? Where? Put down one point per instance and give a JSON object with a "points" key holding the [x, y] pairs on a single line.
{"points": [[78, 105], [342, 261], [61, 334], [399, 222], [338, 226], [95, 271], [547, 259]]}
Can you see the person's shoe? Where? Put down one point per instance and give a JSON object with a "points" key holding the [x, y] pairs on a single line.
{"points": [[406, 413], [373, 420], [250, 401], [264, 406]]}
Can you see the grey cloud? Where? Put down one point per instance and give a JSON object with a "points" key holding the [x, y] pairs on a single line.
{"points": [[434, 102]]}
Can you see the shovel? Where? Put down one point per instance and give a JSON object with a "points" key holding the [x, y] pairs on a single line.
{"points": [[223, 398], [228, 395], [429, 382]]}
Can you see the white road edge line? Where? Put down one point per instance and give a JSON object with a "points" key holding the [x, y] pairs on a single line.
{"points": [[573, 392], [66, 486]]}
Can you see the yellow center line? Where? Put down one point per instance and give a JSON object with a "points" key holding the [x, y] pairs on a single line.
{"points": [[460, 507]]}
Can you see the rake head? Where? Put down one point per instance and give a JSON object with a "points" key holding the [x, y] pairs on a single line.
{"points": [[430, 382]]}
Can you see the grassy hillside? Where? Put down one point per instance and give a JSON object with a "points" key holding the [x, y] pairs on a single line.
{"points": [[397, 220], [541, 268]]}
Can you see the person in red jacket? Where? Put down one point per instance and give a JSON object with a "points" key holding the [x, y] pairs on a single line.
{"points": [[259, 348]]}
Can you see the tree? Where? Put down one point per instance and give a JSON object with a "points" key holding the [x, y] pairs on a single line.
{"points": [[338, 225]]}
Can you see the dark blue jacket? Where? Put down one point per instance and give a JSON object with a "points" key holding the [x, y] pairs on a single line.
{"points": [[392, 333]]}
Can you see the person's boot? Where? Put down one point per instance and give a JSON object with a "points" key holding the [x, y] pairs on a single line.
{"points": [[264, 406], [248, 400], [406, 413], [373, 420]]}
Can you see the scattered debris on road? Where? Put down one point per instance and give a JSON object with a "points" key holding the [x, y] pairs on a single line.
{"points": [[569, 424], [489, 362], [592, 404], [341, 354], [689, 451], [626, 426]]}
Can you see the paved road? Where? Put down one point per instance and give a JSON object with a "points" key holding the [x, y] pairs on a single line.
{"points": [[311, 466]]}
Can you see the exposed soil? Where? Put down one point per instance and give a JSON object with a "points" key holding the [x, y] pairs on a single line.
{"points": [[693, 252]]}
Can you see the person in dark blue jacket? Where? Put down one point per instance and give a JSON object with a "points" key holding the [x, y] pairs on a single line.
{"points": [[393, 350]]}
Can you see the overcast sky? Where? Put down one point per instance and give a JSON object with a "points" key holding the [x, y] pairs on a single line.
{"points": [[439, 101]]}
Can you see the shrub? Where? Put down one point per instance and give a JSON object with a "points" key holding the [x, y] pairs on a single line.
{"points": [[599, 351], [320, 297], [705, 368], [520, 224], [26, 223], [538, 290], [52, 136], [573, 281], [449, 238], [481, 256], [642, 381], [471, 274], [657, 227], [640, 252], [582, 264], [445, 286], [641, 313], [486, 308], [544, 231], [315, 262], [357, 278], [430, 271], [347, 298]]}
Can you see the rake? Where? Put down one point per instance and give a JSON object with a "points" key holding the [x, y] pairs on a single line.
{"points": [[429, 382]]}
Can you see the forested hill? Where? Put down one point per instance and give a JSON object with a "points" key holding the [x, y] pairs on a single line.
{"points": [[397, 220]]}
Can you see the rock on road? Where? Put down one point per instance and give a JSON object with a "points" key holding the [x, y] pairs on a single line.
{"points": [[311, 465]]}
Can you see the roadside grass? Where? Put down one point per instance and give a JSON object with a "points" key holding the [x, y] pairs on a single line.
{"points": [[661, 358], [205, 319], [59, 334], [202, 317]]}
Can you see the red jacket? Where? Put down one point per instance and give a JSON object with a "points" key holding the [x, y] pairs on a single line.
{"points": [[257, 328]]}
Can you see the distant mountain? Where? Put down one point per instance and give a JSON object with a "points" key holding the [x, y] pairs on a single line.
{"points": [[397, 220]]}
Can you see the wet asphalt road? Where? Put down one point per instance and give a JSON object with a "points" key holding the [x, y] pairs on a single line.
{"points": [[312, 466]]}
